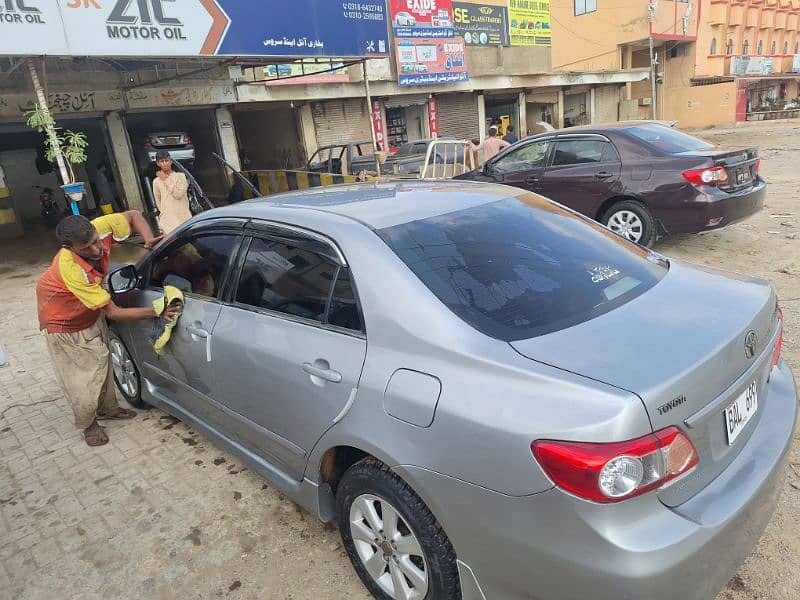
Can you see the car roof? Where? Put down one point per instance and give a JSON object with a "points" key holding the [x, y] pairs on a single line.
{"points": [[601, 128], [378, 204]]}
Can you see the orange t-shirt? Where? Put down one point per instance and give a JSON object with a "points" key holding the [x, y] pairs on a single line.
{"points": [[69, 294]]}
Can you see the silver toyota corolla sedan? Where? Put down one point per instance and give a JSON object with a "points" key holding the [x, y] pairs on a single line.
{"points": [[495, 397]]}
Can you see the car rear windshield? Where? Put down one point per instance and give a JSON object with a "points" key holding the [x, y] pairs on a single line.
{"points": [[523, 267], [666, 139]]}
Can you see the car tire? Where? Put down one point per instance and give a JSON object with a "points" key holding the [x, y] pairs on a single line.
{"points": [[632, 220], [126, 374], [415, 551]]}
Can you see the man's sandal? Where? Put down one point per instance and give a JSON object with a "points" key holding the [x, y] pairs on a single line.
{"points": [[95, 436], [121, 413]]}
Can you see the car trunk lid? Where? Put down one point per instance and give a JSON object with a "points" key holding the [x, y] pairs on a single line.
{"points": [[687, 364], [741, 165]]}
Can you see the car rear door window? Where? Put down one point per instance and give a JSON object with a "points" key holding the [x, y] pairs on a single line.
{"points": [[529, 156], [523, 267], [344, 310], [576, 152], [196, 265], [293, 278]]}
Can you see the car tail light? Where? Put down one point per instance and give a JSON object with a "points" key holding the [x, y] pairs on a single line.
{"points": [[709, 176], [148, 143], [757, 166], [187, 139], [776, 354], [617, 471], [153, 141]]}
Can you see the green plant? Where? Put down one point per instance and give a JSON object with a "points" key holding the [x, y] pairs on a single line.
{"points": [[70, 144]]}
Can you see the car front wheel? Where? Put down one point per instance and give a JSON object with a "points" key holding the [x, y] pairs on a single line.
{"points": [[126, 375], [396, 545], [632, 220]]}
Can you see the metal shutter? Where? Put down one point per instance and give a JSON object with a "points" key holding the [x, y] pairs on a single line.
{"points": [[458, 115], [339, 121]]}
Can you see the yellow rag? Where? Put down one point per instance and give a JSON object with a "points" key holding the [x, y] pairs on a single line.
{"points": [[171, 295]]}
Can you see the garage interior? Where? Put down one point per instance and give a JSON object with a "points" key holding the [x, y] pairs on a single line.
{"points": [[200, 124], [27, 173], [269, 136]]}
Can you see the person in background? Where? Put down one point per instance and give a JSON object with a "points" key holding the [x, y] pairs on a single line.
{"points": [[105, 194], [170, 193], [510, 136], [73, 307], [491, 145]]}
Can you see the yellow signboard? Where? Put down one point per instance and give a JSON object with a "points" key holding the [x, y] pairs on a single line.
{"points": [[529, 22]]}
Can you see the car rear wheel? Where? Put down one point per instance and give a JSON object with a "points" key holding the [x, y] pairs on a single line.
{"points": [[632, 220], [126, 375], [397, 547]]}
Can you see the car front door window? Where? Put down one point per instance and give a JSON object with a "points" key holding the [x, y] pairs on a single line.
{"points": [[531, 156], [196, 265]]}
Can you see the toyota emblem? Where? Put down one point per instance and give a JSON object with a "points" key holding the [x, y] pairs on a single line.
{"points": [[750, 344]]}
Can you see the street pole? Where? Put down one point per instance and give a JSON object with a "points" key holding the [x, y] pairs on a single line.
{"points": [[50, 129], [371, 120], [651, 17], [654, 102]]}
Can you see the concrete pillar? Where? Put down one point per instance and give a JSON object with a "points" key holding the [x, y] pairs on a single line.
{"points": [[560, 110], [522, 127], [126, 165], [481, 117], [307, 129], [628, 65], [229, 146], [592, 106]]}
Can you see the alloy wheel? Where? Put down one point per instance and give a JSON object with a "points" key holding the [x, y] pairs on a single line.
{"points": [[627, 224], [124, 370], [388, 548]]}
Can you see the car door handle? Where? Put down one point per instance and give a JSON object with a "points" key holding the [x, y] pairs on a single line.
{"points": [[326, 374], [603, 175], [198, 332], [531, 180]]}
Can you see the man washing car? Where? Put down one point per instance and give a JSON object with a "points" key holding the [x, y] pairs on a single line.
{"points": [[73, 307]]}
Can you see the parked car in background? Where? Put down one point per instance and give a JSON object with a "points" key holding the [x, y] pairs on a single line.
{"points": [[343, 159], [410, 157], [177, 143], [641, 179], [451, 372]]}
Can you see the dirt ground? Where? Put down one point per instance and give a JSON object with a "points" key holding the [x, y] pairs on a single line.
{"points": [[162, 513]]}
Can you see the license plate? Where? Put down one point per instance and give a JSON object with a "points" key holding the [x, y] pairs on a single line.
{"points": [[170, 140], [740, 411]]}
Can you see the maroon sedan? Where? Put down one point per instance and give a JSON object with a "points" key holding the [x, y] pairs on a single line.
{"points": [[641, 179]]}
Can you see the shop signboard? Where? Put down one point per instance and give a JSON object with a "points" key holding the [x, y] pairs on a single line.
{"points": [[422, 18], [751, 65], [482, 23], [378, 125], [163, 28], [431, 61], [796, 63], [529, 22], [303, 72], [433, 117]]}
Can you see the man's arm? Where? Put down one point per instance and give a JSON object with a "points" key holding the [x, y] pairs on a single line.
{"points": [[117, 313], [139, 224]]}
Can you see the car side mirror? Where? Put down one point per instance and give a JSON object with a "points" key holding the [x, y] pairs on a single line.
{"points": [[123, 280]]}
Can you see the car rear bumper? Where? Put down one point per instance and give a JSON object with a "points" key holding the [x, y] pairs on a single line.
{"points": [[552, 545], [182, 154], [712, 208]]}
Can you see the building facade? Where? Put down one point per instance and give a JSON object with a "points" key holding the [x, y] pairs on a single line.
{"points": [[716, 61]]}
